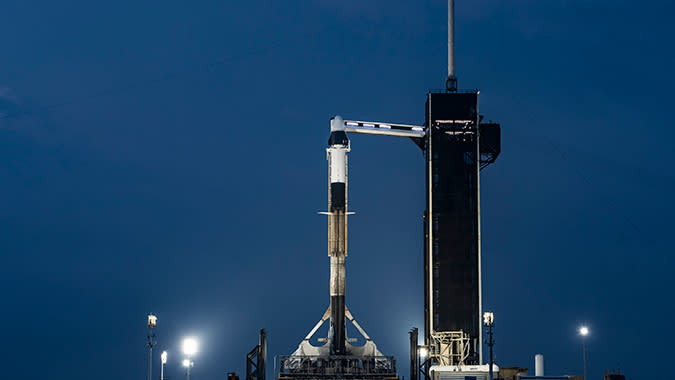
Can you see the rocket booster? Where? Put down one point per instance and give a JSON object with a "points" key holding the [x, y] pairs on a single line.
{"points": [[338, 147]]}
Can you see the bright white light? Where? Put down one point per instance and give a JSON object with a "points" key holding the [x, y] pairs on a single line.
{"points": [[368, 125], [164, 356], [583, 331], [186, 363], [189, 346], [385, 126], [418, 129], [352, 123], [152, 321], [488, 318], [423, 352]]}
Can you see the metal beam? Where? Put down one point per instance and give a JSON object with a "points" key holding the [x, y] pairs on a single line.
{"points": [[385, 129]]}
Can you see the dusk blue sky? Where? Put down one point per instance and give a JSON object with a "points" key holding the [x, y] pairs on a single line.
{"points": [[168, 157]]}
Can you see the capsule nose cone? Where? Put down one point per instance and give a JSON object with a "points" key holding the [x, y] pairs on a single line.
{"points": [[337, 124]]}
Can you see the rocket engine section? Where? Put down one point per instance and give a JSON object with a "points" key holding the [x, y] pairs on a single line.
{"points": [[337, 231]]}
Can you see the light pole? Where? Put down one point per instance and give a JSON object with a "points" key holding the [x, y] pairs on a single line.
{"points": [[189, 349], [152, 323], [583, 331], [187, 363], [161, 371], [489, 322]]}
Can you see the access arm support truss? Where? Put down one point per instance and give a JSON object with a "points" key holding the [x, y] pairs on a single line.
{"points": [[386, 129]]}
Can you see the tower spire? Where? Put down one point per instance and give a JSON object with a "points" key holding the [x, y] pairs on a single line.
{"points": [[451, 80]]}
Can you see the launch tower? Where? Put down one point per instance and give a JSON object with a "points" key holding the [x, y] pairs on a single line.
{"points": [[456, 145]]}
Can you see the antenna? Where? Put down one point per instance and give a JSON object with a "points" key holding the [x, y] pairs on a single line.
{"points": [[451, 81]]}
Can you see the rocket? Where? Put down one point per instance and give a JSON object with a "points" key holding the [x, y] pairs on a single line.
{"points": [[336, 154], [337, 345]]}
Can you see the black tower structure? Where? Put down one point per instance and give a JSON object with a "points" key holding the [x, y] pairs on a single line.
{"points": [[456, 146]]}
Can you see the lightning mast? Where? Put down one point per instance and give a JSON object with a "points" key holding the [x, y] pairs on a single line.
{"points": [[451, 80]]}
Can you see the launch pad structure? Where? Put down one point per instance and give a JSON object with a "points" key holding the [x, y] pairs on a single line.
{"points": [[456, 145]]}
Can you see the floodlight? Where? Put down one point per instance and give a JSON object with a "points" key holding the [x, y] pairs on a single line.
{"points": [[186, 363], [423, 352], [488, 318], [189, 346], [164, 356], [152, 321], [583, 331]]}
